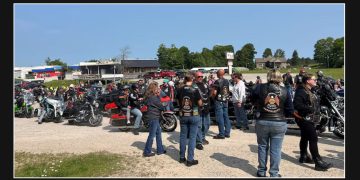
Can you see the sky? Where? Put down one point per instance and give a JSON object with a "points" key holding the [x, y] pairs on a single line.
{"points": [[80, 32]]}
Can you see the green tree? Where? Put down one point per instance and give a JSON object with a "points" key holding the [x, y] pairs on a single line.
{"points": [[185, 54], [294, 61], [267, 53], [58, 62], [279, 53], [245, 56], [338, 53], [323, 51], [220, 54]]}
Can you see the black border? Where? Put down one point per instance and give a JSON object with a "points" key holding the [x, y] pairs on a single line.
{"points": [[351, 31]]}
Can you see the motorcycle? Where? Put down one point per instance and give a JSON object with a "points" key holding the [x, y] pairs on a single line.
{"points": [[83, 111], [168, 119], [51, 109], [23, 106]]}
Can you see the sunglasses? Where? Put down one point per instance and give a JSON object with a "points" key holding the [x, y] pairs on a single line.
{"points": [[200, 77]]}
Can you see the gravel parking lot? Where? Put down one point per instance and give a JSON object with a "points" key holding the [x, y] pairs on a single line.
{"points": [[233, 157]]}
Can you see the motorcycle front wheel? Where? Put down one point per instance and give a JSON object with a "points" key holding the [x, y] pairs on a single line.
{"points": [[95, 121], [168, 122], [58, 118]]}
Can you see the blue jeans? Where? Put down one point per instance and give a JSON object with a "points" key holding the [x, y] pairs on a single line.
{"points": [[188, 125], [289, 89], [269, 133], [138, 115], [203, 127], [222, 118], [154, 130], [241, 117]]}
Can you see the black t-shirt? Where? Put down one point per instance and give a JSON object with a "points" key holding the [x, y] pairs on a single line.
{"points": [[222, 89], [188, 98]]}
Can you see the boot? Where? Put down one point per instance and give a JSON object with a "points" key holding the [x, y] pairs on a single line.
{"points": [[321, 165], [306, 158]]}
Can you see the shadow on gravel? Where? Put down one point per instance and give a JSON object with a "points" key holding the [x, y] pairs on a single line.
{"points": [[337, 160], [127, 130], [235, 162], [174, 137], [295, 160], [170, 150], [334, 141]]}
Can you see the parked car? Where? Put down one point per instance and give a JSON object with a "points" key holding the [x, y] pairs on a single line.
{"points": [[152, 75], [165, 73]]}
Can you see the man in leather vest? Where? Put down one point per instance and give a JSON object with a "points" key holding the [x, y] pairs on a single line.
{"points": [[204, 122], [272, 102], [307, 107], [221, 94], [190, 102]]}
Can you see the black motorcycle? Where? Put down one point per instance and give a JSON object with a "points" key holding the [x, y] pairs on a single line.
{"points": [[83, 111], [332, 108]]}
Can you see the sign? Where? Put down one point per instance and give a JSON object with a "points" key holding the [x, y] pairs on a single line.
{"points": [[229, 55]]}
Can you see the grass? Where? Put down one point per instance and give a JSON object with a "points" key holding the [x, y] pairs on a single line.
{"points": [[70, 165]]}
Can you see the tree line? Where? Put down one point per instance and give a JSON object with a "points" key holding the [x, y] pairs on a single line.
{"points": [[328, 52]]}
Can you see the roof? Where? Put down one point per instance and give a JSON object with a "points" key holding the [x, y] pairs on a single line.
{"points": [[140, 63], [270, 59]]}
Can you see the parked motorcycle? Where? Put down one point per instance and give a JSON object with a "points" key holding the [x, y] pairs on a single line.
{"points": [[23, 106], [83, 111], [51, 109], [331, 110], [168, 120]]}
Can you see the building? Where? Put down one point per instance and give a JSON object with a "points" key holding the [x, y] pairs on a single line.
{"points": [[104, 70], [109, 70], [139, 66], [22, 72], [272, 62], [46, 73]]}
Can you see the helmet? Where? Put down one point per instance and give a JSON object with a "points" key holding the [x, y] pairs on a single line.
{"points": [[171, 83], [134, 86], [72, 85]]}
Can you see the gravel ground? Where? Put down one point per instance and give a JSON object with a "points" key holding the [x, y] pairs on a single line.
{"points": [[233, 157]]}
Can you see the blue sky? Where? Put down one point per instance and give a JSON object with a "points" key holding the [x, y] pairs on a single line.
{"points": [[79, 32]]}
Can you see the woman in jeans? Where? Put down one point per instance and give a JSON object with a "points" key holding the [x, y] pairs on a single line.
{"points": [[153, 115], [272, 101]]}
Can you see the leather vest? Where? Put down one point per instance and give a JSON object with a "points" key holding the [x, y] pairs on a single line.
{"points": [[223, 92], [204, 93], [188, 105], [271, 101]]}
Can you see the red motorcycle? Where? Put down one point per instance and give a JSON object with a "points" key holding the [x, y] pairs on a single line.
{"points": [[168, 119]]}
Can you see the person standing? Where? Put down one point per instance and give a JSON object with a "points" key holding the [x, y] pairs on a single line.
{"points": [[238, 100], [272, 102], [189, 100], [204, 122], [153, 116], [307, 107], [258, 80], [298, 78], [288, 82], [220, 92]]}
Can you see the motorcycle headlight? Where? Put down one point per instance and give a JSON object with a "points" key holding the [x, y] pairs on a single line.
{"points": [[96, 105]]}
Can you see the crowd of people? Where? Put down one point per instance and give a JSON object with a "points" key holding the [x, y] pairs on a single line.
{"points": [[193, 95]]}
